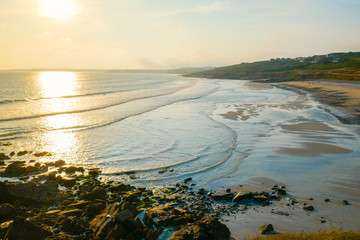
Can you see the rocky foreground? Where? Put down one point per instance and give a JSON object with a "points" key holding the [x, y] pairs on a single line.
{"points": [[51, 200]]}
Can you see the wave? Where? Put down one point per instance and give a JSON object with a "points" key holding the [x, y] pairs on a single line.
{"points": [[146, 95], [156, 168], [176, 96]]}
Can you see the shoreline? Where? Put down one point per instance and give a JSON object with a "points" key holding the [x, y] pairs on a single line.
{"points": [[53, 200], [341, 95]]}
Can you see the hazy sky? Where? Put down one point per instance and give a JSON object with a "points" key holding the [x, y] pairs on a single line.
{"points": [[171, 33]]}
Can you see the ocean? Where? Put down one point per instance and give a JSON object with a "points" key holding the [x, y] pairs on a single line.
{"points": [[163, 128]]}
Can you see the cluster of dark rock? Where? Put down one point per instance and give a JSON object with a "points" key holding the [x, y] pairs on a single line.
{"points": [[52, 201]]}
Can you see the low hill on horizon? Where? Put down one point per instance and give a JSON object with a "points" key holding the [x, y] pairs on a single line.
{"points": [[338, 66]]}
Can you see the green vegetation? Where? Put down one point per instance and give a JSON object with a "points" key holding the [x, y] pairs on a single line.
{"points": [[339, 66], [322, 235]]}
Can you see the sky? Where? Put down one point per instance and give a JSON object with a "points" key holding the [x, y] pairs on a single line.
{"points": [[125, 34]]}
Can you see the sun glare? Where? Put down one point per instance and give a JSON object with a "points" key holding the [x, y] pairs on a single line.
{"points": [[58, 8], [57, 84]]}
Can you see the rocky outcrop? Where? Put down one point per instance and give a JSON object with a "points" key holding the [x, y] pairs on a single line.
{"points": [[34, 193], [26, 230]]}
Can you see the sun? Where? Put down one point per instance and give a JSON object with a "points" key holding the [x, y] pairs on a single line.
{"points": [[58, 8]]}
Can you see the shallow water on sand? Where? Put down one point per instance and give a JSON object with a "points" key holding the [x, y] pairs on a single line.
{"points": [[216, 131]]}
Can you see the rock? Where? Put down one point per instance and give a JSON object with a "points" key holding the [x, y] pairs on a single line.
{"points": [[261, 199], [91, 190], [22, 153], [66, 181], [105, 221], [208, 228], [6, 211], [33, 193], [345, 202], [280, 191], [282, 213], [72, 212], [2, 162], [148, 221], [265, 229], [81, 204], [94, 209], [308, 207], [163, 171], [71, 169], [120, 187], [171, 170], [124, 216], [133, 176], [15, 169], [42, 154], [223, 196], [52, 212], [57, 163], [243, 195], [26, 230], [327, 200], [73, 225], [116, 233], [94, 171], [4, 194], [188, 180]]}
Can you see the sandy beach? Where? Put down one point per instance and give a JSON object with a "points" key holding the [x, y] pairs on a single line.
{"points": [[342, 95], [313, 140]]}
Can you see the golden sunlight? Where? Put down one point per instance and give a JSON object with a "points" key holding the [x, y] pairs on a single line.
{"points": [[57, 84], [58, 8]]}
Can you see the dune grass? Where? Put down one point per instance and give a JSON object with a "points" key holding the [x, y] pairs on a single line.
{"points": [[321, 235]]}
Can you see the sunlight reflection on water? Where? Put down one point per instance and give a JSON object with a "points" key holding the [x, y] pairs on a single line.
{"points": [[63, 142]]}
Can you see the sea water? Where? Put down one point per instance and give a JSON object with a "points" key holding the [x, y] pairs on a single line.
{"points": [[163, 128]]}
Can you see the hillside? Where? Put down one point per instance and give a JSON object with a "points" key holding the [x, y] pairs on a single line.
{"points": [[339, 66]]}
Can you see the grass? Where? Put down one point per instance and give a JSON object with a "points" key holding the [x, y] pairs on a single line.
{"points": [[321, 235], [316, 67]]}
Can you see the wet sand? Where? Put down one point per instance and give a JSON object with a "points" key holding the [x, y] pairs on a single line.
{"points": [[342, 95], [311, 140]]}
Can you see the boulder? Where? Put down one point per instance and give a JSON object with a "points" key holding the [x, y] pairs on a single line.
{"points": [[105, 221], [242, 196], [15, 169], [308, 207], [120, 187], [3, 156], [124, 216], [91, 190], [42, 154], [26, 230], [34, 193], [261, 199], [223, 196], [207, 228], [188, 180], [281, 191], [71, 169], [265, 229]]}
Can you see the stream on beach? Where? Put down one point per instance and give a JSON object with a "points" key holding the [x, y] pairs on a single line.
{"points": [[222, 133]]}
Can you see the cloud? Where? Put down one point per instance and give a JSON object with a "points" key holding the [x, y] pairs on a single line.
{"points": [[203, 9]]}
